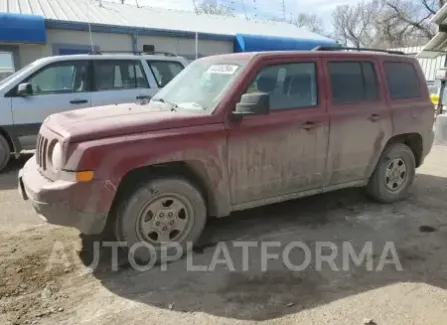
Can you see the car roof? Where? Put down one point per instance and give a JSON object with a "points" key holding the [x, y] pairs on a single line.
{"points": [[334, 53], [108, 56]]}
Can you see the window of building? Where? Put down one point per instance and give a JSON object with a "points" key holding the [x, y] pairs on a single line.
{"points": [[353, 82], [165, 71], [119, 74], [402, 80], [63, 77], [290, 86], [6, 64]]}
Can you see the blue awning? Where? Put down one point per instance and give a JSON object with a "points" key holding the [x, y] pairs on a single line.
{"points": [[19, 28], [259, 43]]}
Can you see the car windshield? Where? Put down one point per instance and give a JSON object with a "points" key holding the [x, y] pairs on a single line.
{"points": [[201, 85], [18, 73]]}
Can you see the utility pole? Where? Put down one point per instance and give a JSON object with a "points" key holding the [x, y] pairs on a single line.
{"points": [[195, 6], [284, 9]]}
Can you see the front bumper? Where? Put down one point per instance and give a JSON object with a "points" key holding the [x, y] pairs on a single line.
{"points": [[63, 203]]}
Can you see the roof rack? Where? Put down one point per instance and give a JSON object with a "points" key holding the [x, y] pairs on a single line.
{"points": [[329, 48], [132, 52]]}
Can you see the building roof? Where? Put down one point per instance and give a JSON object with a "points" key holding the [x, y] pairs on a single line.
{"points": [[110, 13], [438, 44]]}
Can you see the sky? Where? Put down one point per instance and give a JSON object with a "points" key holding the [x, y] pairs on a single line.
{"points": [[262, 9], [259, 8]]}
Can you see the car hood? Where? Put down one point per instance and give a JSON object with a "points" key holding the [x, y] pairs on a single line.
{"points": [[114, 120]]}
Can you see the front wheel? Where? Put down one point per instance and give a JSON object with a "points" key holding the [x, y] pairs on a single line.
{"points": [[394, 174], [5, 153], [162, 211]]}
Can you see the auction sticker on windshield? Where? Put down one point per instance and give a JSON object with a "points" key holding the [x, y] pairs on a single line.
{"points": [[223, 69]]}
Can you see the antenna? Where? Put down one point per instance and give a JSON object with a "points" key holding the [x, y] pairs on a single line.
{"points": [[92, 46], [91, 38], [245, 9]]}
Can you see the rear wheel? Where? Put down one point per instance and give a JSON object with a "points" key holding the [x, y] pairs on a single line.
{"points": [[5, 153], [394, 174], [162, 211]]}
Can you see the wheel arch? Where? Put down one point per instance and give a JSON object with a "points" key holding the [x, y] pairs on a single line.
{"points": [[413, 141], [193, 170]]}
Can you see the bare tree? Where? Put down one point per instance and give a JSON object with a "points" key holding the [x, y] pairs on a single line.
{"points": [[386, 23], [355, 24], [413, 17], [213, 7], [309, 21]]}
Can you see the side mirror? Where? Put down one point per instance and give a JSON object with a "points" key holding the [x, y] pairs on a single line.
{"points": [[24, 89], [253, 104]]}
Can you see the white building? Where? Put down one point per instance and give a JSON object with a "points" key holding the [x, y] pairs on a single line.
{"points": [[30, 29], [429, 64]]}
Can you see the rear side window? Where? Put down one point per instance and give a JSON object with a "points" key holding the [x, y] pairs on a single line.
{"points": [[353, 82], [165, 71], [402, 80], [119, 74]]}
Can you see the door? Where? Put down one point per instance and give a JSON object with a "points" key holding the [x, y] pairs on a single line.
{"points": [[284, 152], [119, 81], [360, 119], [57, 87]]}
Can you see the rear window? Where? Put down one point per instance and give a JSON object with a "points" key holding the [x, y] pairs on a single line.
{"points": [[353, 82], [402, 80]]}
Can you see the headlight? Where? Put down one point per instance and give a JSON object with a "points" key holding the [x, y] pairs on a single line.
{"points": [[56, 157]]}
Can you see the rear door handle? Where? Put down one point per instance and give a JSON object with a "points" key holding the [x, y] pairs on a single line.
{"points": [[78, 101], [144, 97], [309, 125], [374, 117]]}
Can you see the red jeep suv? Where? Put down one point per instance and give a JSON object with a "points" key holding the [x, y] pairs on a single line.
{"points": [[233, 132]]}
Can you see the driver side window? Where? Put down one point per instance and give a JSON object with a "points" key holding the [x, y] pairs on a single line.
{"points": [[290, 86], [63, 77]]}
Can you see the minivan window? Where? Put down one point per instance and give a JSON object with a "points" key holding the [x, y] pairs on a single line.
{"points": [[164, 71], [402, 80], [292, 85], [353, 82], [61, 77], [119, 74]]}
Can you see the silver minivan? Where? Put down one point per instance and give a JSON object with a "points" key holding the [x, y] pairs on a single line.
{"points": [[60, 83]]}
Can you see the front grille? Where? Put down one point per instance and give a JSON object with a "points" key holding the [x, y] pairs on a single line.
{"points": [[42, 151]]}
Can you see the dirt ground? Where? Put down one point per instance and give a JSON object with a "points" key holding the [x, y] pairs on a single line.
{"points": [[45, 276]]}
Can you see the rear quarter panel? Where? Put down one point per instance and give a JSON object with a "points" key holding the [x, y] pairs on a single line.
{"points": [[412, 115]]}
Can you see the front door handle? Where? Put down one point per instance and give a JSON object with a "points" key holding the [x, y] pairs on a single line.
{"points": [[78, 101], [374, 117], [309, 125]]}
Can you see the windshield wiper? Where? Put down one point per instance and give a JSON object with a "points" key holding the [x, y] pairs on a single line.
{"points": [[174, 106]]}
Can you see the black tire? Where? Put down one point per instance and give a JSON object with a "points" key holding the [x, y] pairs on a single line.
{"points": [[5, 153], [128, 216], [377, 188]]}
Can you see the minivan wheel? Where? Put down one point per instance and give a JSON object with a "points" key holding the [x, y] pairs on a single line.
{"points": [[394, 174], [5, 153], [162, 211]]}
